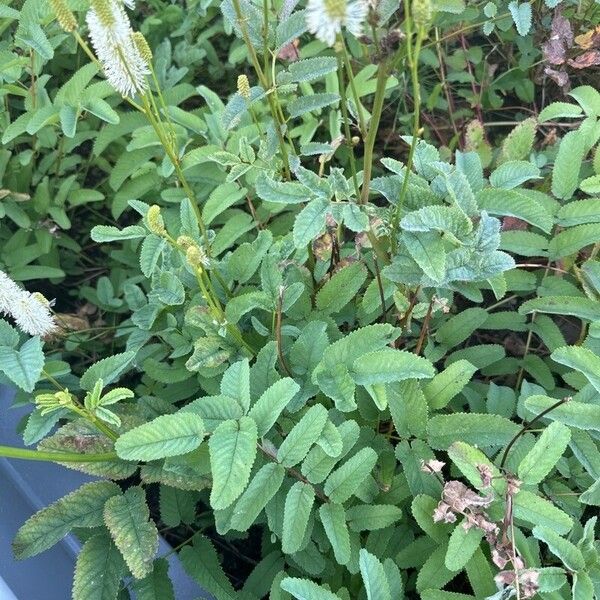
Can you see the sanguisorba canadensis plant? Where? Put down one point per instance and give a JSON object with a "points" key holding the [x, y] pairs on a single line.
{"points": [[369, 373]]}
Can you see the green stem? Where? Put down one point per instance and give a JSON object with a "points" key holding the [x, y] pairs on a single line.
{"points": [[24, 454], [347, 123], [158, 128], [382, 76], [265, 84], [359, 109], [413, 58]]}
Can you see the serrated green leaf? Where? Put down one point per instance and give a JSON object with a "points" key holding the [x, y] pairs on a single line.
{"points": [[268, 407], [280, 192], [582, 360], [428, 251], [108, 233], [559, 110], [333, 518], [467, 458], [513, 173], [309, 69], [156, 585], [371, 517], [389, 365], [261, 489], [302, 436], [472, 428], [461, 546], [542, 458], [447, 384], [304, 589], [373, 576], [513, 203], [167, 435], [298, 506], [521, 15], [81, 508], [232, 452], [573, 239], [98, 570], [567, 552], [539, 511], [565, 175], [306, 104], [108, 369], [459, 327], [346, 480], [575, 306], [341, 288], [201, 561], [310, 222], [150, 253], [575, 414], [128, 520], [518, 143], [24, 366]]}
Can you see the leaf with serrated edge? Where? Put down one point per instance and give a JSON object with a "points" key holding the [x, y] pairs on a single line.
{"points": [[268, 407], [304, 589], [135, 535], [333, 518], [232, 449], [373, 576], [542, 458], [167, 435], [98, 570], [81, 508], [302, 436], [296, 513], [261, 489], [346, 480]]}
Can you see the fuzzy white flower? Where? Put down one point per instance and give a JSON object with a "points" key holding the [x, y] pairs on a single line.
{"points": [[31, 312], [325, 18], [111, 36], [9, 290]]}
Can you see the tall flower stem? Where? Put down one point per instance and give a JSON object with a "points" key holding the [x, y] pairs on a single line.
{"points": [[355, 96], [273, 105], [413, 62], [345, 117], [382, 77], [168, 146]]}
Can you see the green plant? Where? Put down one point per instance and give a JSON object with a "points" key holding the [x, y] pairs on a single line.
{"points": [[382, 375]]}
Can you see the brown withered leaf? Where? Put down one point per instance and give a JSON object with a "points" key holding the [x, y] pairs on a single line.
{"points": [[590, 39], [561, 39], [323, 246], [591, 58], [511, 223], [555, 52], [561, 77], [290, 52]]}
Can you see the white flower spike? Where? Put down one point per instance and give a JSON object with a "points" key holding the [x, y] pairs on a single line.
{"points": [[111, 37], [31, 312], [325, 18]]}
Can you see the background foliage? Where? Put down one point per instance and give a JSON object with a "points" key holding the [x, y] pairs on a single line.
{"points": [[373, 384]]}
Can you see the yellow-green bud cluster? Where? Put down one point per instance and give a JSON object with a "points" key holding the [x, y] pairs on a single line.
{"points": [[104, 10], [66, 19], [155, 221], [194, 257], [142, 45], [421, 12], [243, 86], [185, 242]]}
